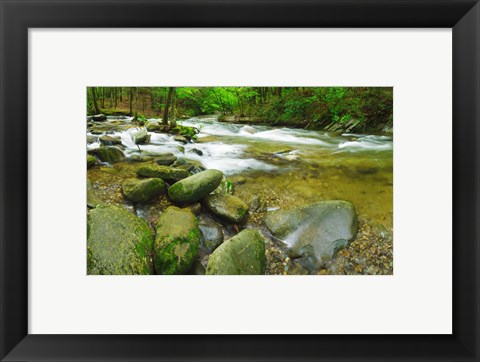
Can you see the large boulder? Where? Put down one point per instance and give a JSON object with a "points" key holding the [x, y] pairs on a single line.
{"points": [[177, 241], [141, 191], [196, 187], [226, 207], [166, 173], [140, 136], [243, 254], [118, 243], [316, 231], [110, 154]]}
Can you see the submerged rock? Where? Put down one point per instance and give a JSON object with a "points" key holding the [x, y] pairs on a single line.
{"points": [[91, 161], [243, 254], [118, 243], [316, 231], [196, 151], [177, 241], [181, 139], [192, 167], [166, 173], [110, 154], [141, 191], [196, 187], [212, 234], [165, 159], [226, 207], [140, 136], [92, 199]]}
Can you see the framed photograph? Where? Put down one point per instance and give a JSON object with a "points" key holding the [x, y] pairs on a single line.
{"points": [[264, 180]]}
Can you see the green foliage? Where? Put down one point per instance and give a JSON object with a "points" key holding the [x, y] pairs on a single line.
{"points": [[314, 107], [185, 131]]}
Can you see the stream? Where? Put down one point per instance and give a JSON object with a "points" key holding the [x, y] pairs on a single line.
{"points": [[283, 168]]}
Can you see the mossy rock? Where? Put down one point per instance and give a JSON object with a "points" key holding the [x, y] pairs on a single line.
{"points": [[91, 161], [243, 254], [152, 126], [166, 173], [99, 117], [315, 231], [226, 207], [177, 241], [110, 141], [141, 136], [118, 243], [165, 159], [110, 154], [196, 187], [141, 191]]}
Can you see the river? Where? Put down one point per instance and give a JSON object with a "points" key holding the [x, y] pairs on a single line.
{"points": [[285, 168]]}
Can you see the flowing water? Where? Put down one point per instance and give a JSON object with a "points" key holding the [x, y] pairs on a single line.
{"points": [[287, 167]]}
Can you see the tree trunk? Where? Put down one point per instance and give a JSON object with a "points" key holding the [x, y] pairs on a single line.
{"points": [[167, 105], [95, 104], [131, 101]]}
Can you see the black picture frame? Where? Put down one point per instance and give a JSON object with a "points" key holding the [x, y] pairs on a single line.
{"points": [[17, 16]]}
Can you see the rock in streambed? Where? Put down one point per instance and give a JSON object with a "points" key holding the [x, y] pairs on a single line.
{"points": [[196, 187], [316, 231], [177, 241], [118, 243], [141, 191], [243, 254]]}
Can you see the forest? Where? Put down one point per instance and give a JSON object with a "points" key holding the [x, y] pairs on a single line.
{"points": [[331, 108], [239, 180]]}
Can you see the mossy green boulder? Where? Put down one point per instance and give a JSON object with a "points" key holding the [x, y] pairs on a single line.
{"points": [[243, 254], [118, 243], [226, 207], [166, 173], [141, 191], [315, 231], [91, 161], [196, 187], [110, 154], [177, 241]]}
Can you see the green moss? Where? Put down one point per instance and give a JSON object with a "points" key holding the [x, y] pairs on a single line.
{"points": [[194, 188], [91, 161], [141, 191], [118, 243], [177, 241], [185, 131], [164, 172], [243, 254]]}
